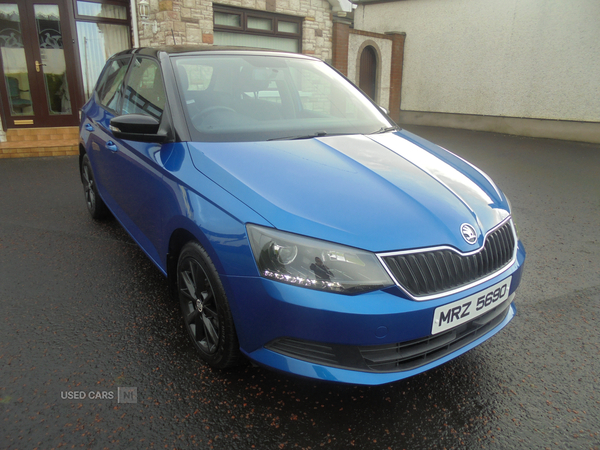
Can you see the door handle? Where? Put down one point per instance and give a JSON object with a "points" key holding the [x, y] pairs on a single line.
{"points": [[112, 146], [89, 127], [38, 65]]}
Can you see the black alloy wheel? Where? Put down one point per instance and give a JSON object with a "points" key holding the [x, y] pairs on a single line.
{"points": [[206, 314], [94, 203]]}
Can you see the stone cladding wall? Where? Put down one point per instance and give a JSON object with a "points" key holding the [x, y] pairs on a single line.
{"points": [[191, 22]]}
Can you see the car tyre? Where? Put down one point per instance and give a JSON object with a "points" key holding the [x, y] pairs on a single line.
{"points": [[205, 309], [95, 205]]}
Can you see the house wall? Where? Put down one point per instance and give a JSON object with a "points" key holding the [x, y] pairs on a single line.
{"points": [[533, 59], [191, 22]]}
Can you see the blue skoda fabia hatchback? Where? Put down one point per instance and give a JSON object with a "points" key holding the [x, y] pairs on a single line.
{"points": [[298, 226]]}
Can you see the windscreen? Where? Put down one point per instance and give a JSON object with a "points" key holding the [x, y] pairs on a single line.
{"points": [[255, 98]]}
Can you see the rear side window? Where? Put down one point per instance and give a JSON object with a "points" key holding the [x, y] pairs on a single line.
{"points": [[109, 87], [144, 91]]}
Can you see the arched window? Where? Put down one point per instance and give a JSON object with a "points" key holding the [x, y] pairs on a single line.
{"points": [[368, 72]]}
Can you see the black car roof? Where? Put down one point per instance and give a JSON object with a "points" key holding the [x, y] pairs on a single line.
{"points": [[206, 48]]}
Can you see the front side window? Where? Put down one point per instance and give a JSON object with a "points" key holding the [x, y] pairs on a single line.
{"points": [[255, 98], [109, 87], [144, 92]]}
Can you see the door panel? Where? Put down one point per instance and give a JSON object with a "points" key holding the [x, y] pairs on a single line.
{"points": [[138, 175], [39, 86], [136, 168], [106, 105], [128, 173], [129, 178]]}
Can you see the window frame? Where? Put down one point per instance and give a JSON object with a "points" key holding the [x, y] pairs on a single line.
{"points": [[84, 18], [244, 14]]}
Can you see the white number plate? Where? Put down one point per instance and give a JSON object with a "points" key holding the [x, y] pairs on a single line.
{"points": [[461, 311]]}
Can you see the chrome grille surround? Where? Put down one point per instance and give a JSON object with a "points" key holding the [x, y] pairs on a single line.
{"points": [[429, 273]]}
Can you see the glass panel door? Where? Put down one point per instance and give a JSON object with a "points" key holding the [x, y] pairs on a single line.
{"points": [[38, 87], [52, 54], [14, 62]]}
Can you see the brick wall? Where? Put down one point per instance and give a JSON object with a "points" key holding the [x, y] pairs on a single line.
{"points": [[341, 36], [396, 74]]}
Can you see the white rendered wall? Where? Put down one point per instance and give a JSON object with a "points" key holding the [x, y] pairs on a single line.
{"points": [[514, 58]]}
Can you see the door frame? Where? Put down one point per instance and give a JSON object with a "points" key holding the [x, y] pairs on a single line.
{"points": [[41, 116]]}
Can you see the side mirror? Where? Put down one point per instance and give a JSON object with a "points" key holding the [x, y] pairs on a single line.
{"points": [[137, 127]]}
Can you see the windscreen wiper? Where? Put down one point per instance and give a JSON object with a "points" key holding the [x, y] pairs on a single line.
{"points": [[386, 129], [302, 136]]}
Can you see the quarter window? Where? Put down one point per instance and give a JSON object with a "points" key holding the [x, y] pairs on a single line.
{"points": [[109, 87], [144, 92]]}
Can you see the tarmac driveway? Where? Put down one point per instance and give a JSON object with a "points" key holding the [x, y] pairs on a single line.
{"points": [[93, 355]]}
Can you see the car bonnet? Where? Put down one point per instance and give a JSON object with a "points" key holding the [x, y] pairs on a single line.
{"points": [[380, 192]]}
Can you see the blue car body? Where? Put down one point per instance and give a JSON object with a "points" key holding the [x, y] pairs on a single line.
{"points": [[391, 194]]}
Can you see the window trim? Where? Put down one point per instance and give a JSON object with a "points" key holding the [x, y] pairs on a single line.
{"points": [[244, 14]]}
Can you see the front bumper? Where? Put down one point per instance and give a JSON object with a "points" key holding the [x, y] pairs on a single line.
{"points": [[372, 338], [298, 367]]}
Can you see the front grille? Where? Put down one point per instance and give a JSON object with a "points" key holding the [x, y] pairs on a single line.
{"points": [[434, 272], [391, 357]]}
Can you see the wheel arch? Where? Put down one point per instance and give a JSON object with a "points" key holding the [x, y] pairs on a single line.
{"points": [[179, 237], [229, 251]]}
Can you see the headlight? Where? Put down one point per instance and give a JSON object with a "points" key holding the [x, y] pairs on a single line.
{"points": [[315, 264]]}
